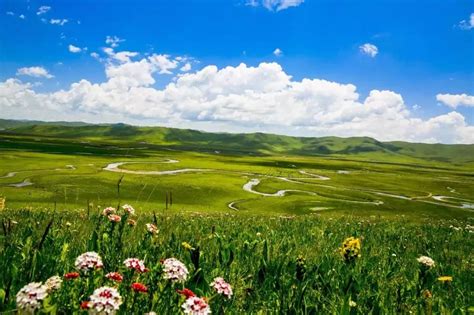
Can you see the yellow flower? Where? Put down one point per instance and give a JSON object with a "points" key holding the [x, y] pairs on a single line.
{"points": [[2, 203], [350, 248], [186, 245], [445, 279]]}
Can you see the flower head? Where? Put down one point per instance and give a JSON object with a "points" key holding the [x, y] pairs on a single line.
{"points": [[88, 261], [222, 287], [108, 210], [174, 270], [350, 249], [85, 305], [115, 276], [196, 306], [186, 293], [114, 218], [187, 246], [151, 228], [128, 209], [31, 296], [445, 279], [426, 261], [71, 275], [54, 283], [131, 222], [105, 300], [139, 287], [136, 264]]}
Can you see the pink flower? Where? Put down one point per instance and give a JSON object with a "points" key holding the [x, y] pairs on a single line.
{"points": [[128, 209], [151, 228], [174, 270], [105, 300], [222, 287], [88, 261], [136, 264], [115, 276], [114, 218], [196, 306], [108, 210]]}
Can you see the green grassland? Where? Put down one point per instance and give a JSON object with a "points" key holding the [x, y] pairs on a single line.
{"points": [[64, 164]]}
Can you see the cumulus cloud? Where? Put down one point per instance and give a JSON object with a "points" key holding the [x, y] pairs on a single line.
{"points": [[237, 98], [369, 49], [37, 72], [455, 100], [60, 22], [10, 13], [186, 67], [74, 49], [22, 16], [43, 9], [113, 41], [467, 25], [278, 52], [274, 5]]}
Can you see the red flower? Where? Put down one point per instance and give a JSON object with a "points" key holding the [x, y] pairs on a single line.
{"points": [[115, 276], [71, 275], [186, 292], [138, 287], [85, 305]]}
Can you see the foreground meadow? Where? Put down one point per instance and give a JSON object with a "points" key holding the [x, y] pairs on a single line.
{"points": [[108, 260]]}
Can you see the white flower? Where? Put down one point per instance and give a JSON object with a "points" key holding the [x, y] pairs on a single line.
{"points": [[54, 283], [108, 210], [352, 303], [88, 261], [151, 228], [427, 261], [105, 300], [196, 306], [30, 297], [222, 287], [175, 270], [129, 209], [135, 263]]}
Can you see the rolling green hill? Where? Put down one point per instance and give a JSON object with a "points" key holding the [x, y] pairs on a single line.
{"points": [[253, 143]]}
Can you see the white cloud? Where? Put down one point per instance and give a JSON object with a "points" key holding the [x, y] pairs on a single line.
{"points": [[278, 52], [186, 67], [74, 49], [467, 25], [113, 41], [21, 16], [60, 22], [43, 9], [10, 13], [37, 72], [455, 100], [274, 5], [369, 49], [241, 98], [163, 63]]}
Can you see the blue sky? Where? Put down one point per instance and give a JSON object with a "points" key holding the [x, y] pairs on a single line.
{"points": [[423, 49]]}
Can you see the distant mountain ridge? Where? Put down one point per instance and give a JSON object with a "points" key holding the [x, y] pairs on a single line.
{"points": [[262, 143]]}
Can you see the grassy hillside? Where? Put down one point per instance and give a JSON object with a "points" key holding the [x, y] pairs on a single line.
{"points": [[257, 143]]}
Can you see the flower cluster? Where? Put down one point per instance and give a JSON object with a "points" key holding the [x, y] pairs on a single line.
{"points": [[108, 210], [426, 261], [104, 300], [54, 283], [151, 228], [222, 287], [88, 261], [139, 287], [174, 270], [115, 276], [71, 275], [31, 296], [114, 218], [128, 209], [136, 264], [350, 249], [196, 306]]}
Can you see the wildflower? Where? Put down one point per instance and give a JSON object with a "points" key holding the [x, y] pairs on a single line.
{"points": [[114, 218], [352, 303], [427, 294], [196, 306], [131, 222], [138, 287], [88, 261], [115, 276], [426, 261], [174, 270], [151, 313], [105, 300], [31, 296], [71, 275], [128, 209], [350, 249], [186, 292], [187, 246], [445, 279], [222, 287], [136, 264], [108, 210], [54, 283], [151, 228], [85, 305], [68, 224]]}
